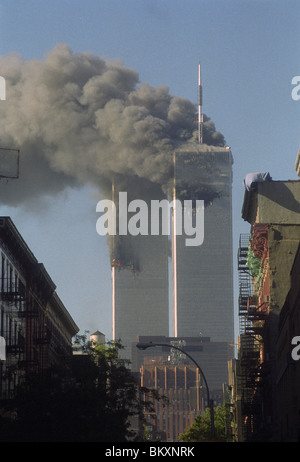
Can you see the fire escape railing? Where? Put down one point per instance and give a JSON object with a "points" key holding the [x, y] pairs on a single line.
{"points": [[250, 347]]}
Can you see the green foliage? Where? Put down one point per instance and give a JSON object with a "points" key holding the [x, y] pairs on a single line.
{"points": [[90, 399], [200, 430], [254, 264]]}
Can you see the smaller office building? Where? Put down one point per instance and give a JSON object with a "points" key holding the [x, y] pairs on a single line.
{"points": [[174, 375]]}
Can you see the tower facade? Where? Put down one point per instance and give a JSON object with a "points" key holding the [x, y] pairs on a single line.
{"points": [[140, 278], [203, 275]]}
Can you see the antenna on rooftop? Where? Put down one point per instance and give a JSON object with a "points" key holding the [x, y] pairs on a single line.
{"points": [[200, 116]]}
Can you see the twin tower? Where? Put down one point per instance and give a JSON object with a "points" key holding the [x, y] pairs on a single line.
{"points": [[160, 285]]}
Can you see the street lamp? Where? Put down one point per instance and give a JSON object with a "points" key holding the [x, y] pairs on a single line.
{"points": [[145, 345]]}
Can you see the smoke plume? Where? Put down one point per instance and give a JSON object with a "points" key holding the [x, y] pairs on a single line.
{"points": [[80, 118]]}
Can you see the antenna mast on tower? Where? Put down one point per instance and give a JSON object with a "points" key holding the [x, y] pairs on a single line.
{"points": [[200, 116]]}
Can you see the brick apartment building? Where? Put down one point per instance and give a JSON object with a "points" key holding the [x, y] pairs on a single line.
{"points": [[267, 380], [34, 322]]}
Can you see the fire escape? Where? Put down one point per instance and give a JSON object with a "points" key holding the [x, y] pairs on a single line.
{"points": [[251, 328], [27, 332], [12, 297]]}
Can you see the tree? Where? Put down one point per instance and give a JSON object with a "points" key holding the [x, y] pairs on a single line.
{"points": [[90, 399], [200, 430]]}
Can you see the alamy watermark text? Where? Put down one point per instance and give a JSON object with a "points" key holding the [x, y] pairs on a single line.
{"points": [[2, 88], [188, 219], [296, 89], [2, 349]]}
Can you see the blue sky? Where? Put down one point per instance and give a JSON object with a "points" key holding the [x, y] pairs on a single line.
{"points": [[249, 53]]}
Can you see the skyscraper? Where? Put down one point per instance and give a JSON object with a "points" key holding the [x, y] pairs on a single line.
{"points": [[203, 275], [140, 279]]}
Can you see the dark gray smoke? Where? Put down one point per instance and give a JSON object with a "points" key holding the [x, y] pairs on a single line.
{"points": [[79, 118]]}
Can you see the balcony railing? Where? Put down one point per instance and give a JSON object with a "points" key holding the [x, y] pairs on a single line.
{"points": [[12, 291]]}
